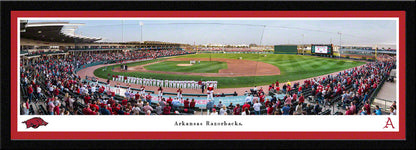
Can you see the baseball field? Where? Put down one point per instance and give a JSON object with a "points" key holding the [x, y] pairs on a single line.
{"points": [[233, 70]]}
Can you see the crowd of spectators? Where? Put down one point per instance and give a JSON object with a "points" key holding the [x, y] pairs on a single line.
{"points": [[83, 58], [350, 90], [52, 83]]}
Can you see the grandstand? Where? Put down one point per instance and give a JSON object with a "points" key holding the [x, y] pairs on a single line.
{"points": [[51, 59]]}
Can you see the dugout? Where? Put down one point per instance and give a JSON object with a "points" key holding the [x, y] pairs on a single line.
{"points": [[285, 49]]}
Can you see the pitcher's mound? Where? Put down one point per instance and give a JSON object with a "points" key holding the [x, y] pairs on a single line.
{"points": [[184, 65]]}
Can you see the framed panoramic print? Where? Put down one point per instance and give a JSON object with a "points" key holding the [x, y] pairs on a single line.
{"points": [[207, 75]]}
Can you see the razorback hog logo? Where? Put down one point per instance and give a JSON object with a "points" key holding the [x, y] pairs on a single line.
{"points": [[35, 122]]}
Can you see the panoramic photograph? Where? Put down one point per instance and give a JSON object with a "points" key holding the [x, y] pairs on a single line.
{"points": [[207, 67]]}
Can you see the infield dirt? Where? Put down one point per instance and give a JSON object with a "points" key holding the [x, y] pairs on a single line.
{"points": [[235, 68]]}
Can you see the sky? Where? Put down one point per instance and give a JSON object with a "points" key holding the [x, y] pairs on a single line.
{"points": [[234, 32]]}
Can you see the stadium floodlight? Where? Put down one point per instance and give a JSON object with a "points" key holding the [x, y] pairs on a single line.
{"points": [[303, 44], [340, 40], [141, 31]]}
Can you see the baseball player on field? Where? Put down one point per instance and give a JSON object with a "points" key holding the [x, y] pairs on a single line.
{"points": [[142, 90], [210, 92], [182, 83], [215, 84], [159, 95], [160, 82], [188, 84], [196, 85], [179, 93]]}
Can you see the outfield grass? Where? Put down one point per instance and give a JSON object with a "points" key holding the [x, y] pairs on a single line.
{"points": [[203, 67], [292, 67]]}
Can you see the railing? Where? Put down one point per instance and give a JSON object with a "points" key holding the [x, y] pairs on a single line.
{"points": [[387, 104], [372, 96], [88, 65]]}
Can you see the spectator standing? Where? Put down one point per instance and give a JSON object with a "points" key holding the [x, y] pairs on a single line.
{"points": [[39, 91], [286, 109], [186, 103], [51, 106], [301, 99], [248, 99], [317, 109], [166, 110], [256, 107], [192, 105], [246, 105], [210, 105], [30, 93], [176, 103], [169, 101], [149, 98], [367, 108], [237, 110], [269, 109]]}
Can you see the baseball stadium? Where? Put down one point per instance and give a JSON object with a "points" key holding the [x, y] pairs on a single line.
{"points": [[67, 73]]}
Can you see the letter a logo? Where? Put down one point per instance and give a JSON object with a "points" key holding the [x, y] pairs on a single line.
{"points": [[389, 122]]}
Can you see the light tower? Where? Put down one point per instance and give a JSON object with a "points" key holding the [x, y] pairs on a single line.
{"points": [[303, 44], [340, 39], [141, 32]]}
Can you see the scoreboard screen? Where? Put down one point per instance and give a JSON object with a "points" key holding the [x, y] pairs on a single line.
{"points": [[321, 49]]}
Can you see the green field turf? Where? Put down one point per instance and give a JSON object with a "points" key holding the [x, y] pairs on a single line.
{"points": [[292, 67], [203, 67]]}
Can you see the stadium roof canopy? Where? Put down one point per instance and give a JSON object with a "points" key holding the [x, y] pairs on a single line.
{"points": [[63, 32]]}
